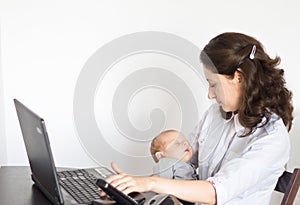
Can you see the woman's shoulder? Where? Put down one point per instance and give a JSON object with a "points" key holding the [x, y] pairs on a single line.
{"points": [[274, 131], [275, 125]]}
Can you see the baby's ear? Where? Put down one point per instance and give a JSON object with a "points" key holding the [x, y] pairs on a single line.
{"points": [[159, 155]]}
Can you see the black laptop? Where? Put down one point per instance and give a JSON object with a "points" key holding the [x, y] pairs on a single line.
{"points": [[75, 186]]}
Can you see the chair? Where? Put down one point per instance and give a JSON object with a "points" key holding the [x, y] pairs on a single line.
{"points": [[288, 184]]}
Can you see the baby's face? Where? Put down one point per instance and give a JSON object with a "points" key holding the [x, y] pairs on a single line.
{"points": [[177, 147]]}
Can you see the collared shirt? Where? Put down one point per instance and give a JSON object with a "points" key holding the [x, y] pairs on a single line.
{"points": [[244, 170]]}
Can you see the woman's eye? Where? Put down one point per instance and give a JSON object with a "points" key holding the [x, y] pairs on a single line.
{"points": [[212, 85]]}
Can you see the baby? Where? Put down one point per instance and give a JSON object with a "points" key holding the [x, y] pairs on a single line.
{"points": [[172, 153]]}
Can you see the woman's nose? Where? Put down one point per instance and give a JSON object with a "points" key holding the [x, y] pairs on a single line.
{"points": [[211, 94]]}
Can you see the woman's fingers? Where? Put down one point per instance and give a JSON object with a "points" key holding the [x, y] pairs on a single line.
{"points": [[122, 182], [119, 175], [128, 190], [102, 193], [116, 168], [112, 178]]}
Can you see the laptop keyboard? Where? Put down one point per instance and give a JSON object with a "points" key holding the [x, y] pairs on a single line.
{"points": [[80, 185]]}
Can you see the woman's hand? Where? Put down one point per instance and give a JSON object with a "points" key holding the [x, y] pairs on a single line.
{"points": [[128, 183], [189, 190]]}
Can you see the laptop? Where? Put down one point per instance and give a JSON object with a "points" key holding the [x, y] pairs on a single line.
{"points": [[75, 186]]}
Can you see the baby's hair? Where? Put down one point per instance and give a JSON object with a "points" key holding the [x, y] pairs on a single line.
{"points": [[157, 145]]}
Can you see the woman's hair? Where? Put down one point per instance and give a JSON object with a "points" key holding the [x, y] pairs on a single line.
{"points": [[263, 89]]}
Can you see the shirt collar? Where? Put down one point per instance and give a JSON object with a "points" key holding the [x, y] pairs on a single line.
{"points": [[240, 129], [236, 123]]}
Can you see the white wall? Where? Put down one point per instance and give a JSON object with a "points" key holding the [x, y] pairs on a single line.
{"points": [[3, 152], [45, 45]]}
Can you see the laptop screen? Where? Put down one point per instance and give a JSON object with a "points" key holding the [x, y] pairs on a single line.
{"points": [[39, 152]]}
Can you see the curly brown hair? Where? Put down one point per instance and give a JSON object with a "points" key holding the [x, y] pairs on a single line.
{"points": [[264, 88]]}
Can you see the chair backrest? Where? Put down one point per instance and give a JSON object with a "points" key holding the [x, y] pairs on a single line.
{"points": [[288, 184]]}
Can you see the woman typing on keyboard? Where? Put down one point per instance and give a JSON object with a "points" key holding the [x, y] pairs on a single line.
{"points": [[241, 144]]}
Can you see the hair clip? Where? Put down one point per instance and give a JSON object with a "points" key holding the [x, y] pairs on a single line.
{"points": [[251, 56]]}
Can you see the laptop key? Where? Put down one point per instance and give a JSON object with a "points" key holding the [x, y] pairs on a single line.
{"points": [[80, 185]]}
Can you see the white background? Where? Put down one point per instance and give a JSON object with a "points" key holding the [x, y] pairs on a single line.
{"points": [[44, 45]]}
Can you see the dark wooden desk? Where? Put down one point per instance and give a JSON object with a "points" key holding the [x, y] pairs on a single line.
{"points": [[16, 187]]}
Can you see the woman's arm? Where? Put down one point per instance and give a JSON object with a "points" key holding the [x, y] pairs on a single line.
{"points": [[188, 190]]}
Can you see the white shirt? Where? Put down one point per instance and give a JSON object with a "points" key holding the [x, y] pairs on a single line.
{"points": [[244, 170]]}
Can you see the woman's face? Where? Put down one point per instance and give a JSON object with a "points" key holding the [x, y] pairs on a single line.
{"points": [[226, 90]]}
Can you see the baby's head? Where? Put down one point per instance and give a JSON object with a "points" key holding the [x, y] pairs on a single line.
{"points": [[171, 144]]}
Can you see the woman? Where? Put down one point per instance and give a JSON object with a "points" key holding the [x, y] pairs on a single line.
{"points": [[241, 144]]}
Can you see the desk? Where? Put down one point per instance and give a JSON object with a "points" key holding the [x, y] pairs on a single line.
{"points": [[16, 187]]}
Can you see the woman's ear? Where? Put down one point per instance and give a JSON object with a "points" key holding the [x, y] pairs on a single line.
{"points": [[238, 76], [159, 155]]}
